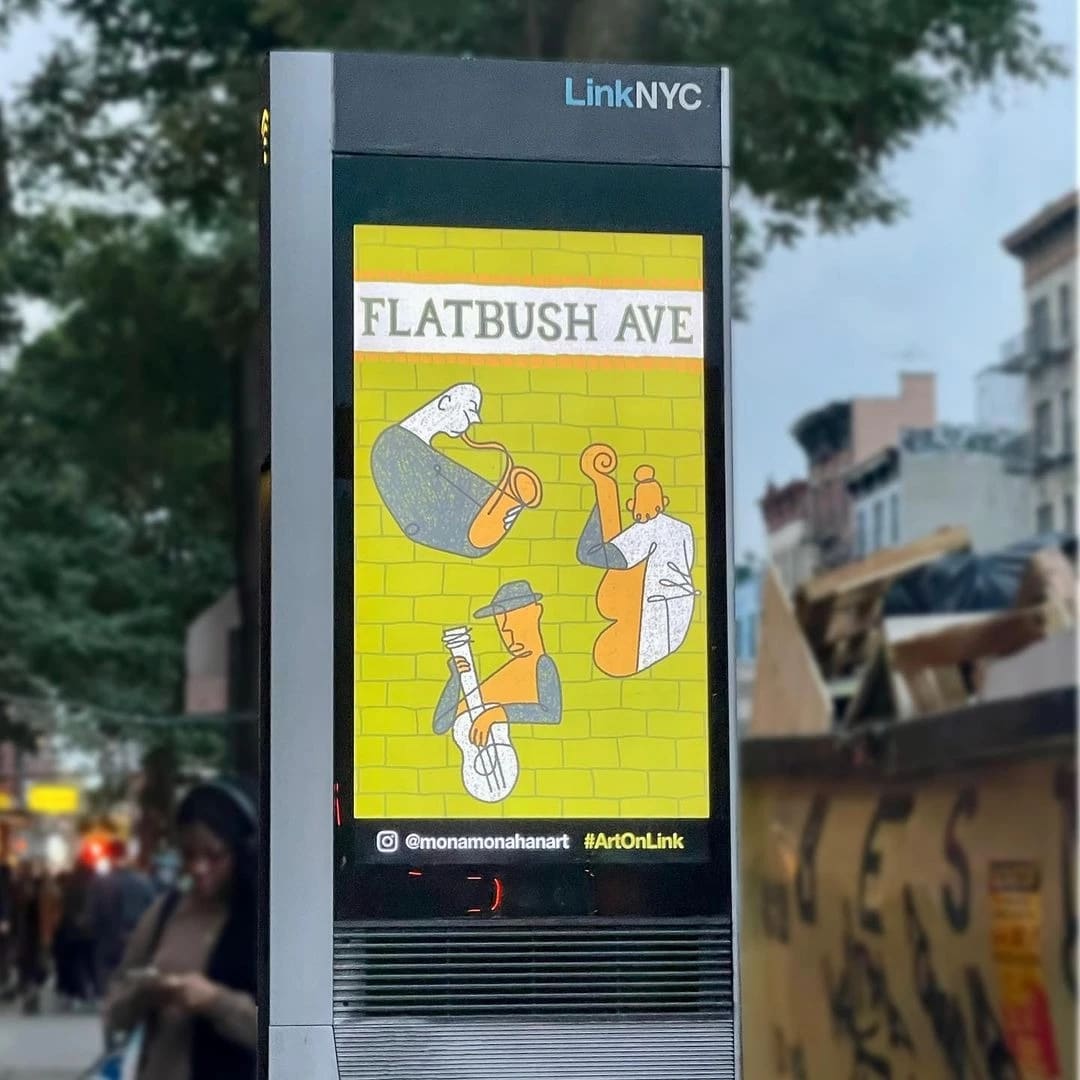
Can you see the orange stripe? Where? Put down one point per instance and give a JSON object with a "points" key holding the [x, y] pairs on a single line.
{"points": [[610, 363], [416, 277]]}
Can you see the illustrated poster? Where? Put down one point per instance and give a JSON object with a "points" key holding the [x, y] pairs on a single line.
{"points": [[529, 525]]}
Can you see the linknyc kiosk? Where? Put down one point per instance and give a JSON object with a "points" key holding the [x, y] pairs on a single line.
{"points": [[499, 761]]}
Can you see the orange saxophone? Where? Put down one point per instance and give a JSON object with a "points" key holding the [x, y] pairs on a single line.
{"points": [[620, 593], [519, 487]]}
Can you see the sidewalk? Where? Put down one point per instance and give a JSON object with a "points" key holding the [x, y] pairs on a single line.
{"points": [[46, 1047]]}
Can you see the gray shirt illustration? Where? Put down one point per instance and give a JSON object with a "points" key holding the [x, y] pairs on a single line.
{"points": [[548, 710], [432, 498]]}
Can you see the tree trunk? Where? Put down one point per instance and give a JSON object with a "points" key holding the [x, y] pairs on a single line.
{"points": [[611, 29], [249, 413], [156, 799], [534, 34]]}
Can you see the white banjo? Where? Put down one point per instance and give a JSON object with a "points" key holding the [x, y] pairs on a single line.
{"points": [[488, 772]]}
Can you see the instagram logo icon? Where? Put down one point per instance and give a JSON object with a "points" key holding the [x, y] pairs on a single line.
{"points": [[387, 842]]}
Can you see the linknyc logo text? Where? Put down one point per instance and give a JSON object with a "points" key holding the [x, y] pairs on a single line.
{"points": [[633, 95]]}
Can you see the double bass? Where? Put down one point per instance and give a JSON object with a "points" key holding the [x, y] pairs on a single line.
{"points": [[620, 595]]}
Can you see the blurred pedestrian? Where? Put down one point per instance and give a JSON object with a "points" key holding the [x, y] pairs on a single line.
{"points": [[51, 909], [61, 959], [7, 931], [30, 934], [188, 976], [119, 897], [73, 946]]}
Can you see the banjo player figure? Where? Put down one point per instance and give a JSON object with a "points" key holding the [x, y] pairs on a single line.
{"points": [[526, 689]]}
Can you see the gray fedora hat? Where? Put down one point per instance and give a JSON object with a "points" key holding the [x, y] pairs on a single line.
{"points": [[509, 597]]}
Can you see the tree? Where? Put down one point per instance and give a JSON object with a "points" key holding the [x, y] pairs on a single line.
{"points": [[132, 164], [93, 603], [114, 481], [825, 90], [9, 320], [132, 381]]}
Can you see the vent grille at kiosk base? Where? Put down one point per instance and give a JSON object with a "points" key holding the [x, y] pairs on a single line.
{"points": [[612, 1048], [537, 968], [552, 998]]}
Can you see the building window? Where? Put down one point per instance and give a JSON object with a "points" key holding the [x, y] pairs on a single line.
{"points": [[1065, 313], [1070, 515], [751, 651], [1044, 428], [1039, 330], [860, 532], [894, 518], [879, 524], [1044, 518], [1067, 433]]}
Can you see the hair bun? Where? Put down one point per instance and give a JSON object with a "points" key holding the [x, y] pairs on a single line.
{"points": [[643, 473]]}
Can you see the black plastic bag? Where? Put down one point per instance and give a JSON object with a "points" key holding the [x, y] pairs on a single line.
{"points": [[963, 581]]}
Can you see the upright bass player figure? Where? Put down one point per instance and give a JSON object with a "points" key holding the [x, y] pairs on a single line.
{"points": [[647, 592]]}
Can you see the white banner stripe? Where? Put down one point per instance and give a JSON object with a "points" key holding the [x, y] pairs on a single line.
{"points": [[521, 320]]}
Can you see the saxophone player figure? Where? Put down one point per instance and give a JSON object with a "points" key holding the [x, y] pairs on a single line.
{"points": [[435, 500]]}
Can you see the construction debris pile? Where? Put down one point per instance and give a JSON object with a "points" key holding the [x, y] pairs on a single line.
{"points": [[915, 630]]}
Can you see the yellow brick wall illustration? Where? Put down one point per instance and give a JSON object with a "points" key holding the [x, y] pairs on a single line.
{"points": [[633, 747]]}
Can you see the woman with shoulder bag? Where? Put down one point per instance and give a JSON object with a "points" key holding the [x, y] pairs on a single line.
{"points": [[187, 981]]}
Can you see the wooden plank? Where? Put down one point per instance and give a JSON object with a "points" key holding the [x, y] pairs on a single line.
{"points": [[937, 689], [929, 653], [838, 659], [885, 566], [980, 638], [846, 657], [838, 609], [1049, 578], [790, 696], [899, 628], [849, 621]]}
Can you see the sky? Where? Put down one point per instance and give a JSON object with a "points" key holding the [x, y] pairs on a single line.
{"points": [[840, 317]]}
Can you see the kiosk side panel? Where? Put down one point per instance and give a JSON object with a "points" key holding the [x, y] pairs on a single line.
{"points": [[301, 598]]}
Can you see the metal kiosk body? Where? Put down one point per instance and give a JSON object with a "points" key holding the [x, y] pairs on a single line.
{"points": [[499, 774]]}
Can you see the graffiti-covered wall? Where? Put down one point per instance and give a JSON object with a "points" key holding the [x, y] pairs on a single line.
{"points": [[913, 931]]}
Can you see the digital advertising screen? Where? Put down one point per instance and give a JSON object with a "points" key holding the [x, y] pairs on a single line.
{"points": [[529, 639]]}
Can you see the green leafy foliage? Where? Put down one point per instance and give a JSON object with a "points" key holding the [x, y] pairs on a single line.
{"points": [[114, 467], [93, 604], [133, 382], [128, 169], [163, 95]]}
